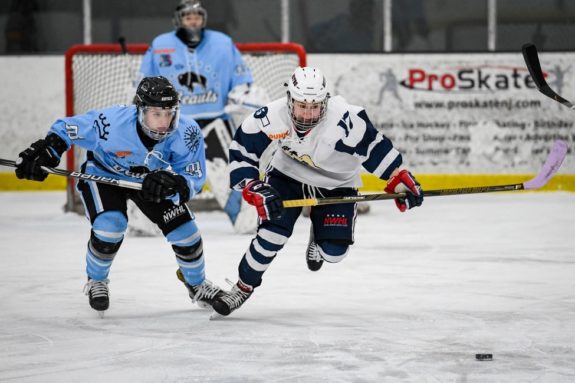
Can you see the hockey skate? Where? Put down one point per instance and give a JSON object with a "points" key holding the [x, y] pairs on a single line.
{"points": [[231, 301], [204, 294], [98, 295], [312, 255]]}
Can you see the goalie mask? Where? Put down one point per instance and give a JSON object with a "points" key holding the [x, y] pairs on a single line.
{"points": [[158, 107], [188, 28], [307, 98]]}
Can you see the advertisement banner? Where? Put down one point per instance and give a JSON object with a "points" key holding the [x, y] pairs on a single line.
{"points": [[461, 113]]}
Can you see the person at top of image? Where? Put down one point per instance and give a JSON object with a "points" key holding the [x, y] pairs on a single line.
{"points": [[323, 143], [149, 143], [209, 73]]}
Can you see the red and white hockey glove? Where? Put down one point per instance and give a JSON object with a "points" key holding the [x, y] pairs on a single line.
{"points": [[265, 198], [405, 182]]}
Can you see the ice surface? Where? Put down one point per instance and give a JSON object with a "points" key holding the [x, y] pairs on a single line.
{"points": [[418, 296]]}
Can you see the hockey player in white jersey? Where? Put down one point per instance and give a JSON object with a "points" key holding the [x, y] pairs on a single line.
{"points": [[208, 72], [149, 143], [322, 144]]}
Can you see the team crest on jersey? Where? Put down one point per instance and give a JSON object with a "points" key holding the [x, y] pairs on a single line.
{"points": [[304, 158], [192, 138], [165, 60], [192, 81]]}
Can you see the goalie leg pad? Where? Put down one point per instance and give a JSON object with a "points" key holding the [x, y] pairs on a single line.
{"points": [[186, 242], [333, 251], [105, 241]]}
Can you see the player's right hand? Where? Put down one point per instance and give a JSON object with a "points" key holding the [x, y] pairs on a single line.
{"points": [[162, 184], [405, 182], [40, 153], [265, 198]]}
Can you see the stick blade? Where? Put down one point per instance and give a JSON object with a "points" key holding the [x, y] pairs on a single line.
{"points": [[550, 167], [532, 61]]}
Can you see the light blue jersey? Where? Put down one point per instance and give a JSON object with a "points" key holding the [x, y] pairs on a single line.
{"points": [[115, 149], [203, 76]]}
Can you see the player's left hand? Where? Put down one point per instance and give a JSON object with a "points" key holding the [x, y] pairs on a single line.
{"points": [[162, 184], [405, 182]]}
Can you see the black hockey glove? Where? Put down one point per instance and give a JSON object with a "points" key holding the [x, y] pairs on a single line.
{"points": [[265, 198], [44, 152], [162, 184]]}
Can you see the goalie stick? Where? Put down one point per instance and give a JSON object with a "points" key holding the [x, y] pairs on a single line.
{"points": [[532, 60], [82, 176], [550, 167]]}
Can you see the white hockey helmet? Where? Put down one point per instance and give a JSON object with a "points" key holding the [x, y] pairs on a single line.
{"points": [[307, 85], [194, 35]]}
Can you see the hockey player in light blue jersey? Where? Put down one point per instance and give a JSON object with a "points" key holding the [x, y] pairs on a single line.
{"points": [[208, 71], [151, 143], [322, 145]]}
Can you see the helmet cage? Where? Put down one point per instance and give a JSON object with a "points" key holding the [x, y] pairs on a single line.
{"points": [[305, 124], [307, 85], [186, 7], [155, 134]]}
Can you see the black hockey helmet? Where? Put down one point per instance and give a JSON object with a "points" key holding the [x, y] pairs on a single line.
{"points": [[157, 92]]}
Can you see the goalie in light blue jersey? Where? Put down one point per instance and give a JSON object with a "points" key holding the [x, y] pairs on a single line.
{"points": [[208, 72], [150, 143]]}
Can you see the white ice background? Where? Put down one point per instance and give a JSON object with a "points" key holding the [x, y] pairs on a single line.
{"points": [[418, 296]]}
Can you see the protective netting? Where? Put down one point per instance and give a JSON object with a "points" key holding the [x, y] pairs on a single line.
{"points": [[102, 77]]}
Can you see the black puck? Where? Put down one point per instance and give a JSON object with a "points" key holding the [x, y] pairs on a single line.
{"points": [[484, 356]]}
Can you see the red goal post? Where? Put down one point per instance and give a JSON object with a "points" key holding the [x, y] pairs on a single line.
{"points": [[100, 75]]}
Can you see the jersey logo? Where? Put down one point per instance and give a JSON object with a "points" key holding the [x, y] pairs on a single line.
{"points": [[165, 60], [278, 136], [102, 125], [122, 153], [304, 158], [191, 80], [262, 115], [192, 138]]}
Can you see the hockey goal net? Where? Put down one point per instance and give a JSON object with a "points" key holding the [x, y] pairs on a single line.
{"points": [[101, 75]]}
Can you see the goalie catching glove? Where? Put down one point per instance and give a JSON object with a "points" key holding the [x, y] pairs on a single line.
{"points": [[265, 198], [405, 182], [44, 152], [161, 184]]}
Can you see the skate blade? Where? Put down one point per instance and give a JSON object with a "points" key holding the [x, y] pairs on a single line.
{"points": [[101, 314], [204, 305], [216, 316]]}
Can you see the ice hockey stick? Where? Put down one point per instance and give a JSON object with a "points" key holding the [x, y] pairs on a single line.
{"points": [[550, 167], [532, 60]]}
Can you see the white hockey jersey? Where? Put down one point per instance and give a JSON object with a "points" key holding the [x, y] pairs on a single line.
{"points": [[330, 156]]}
